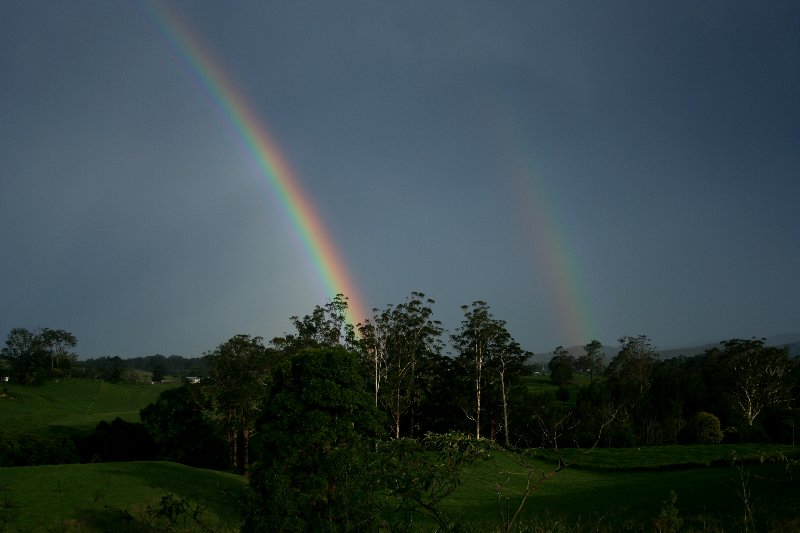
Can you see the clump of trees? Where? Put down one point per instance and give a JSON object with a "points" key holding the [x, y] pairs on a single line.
{"points": [[115, 369], [33, 357]]}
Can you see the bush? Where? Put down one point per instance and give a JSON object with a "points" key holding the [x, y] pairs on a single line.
{"points": [[117, 441], [32, 449], [183, 431], [704, 428], [562, 394]]}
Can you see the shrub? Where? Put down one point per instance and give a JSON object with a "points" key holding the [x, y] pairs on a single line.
{"points": [[32, 449], [562, 394], [704, 428], [669, 519], [117, 441]]}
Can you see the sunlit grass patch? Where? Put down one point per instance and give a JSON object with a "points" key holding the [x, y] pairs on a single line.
{"points": [[74, 404]]}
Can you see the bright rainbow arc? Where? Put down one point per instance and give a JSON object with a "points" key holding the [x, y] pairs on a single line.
{"points": [[241, 117]]}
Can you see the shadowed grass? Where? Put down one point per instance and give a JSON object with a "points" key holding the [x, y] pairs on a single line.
{"points": [[668, 457], [114, 496], [492, 492]]}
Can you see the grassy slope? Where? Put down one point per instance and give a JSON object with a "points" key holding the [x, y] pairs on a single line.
{"points": [[75, 404], [86, 497], [631, 494]]}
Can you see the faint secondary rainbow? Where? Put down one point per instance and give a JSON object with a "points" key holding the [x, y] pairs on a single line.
{"points": [[257, 141], [550, 238]]}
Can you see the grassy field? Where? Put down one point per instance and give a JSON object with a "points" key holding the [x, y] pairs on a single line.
{"points": [[73, 404], [125, 496], [613, 488], [668, 457], [116, 497], [631, 494]]}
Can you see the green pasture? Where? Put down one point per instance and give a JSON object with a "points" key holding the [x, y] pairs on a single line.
{"points": [[598, 490], [629, 497], [116, 497], [669, 457], [73, 404]]}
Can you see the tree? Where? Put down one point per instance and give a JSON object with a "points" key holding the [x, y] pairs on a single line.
{"points": [[398, 345], [35, 356], [117, 441], [598, 413], [506, 362], [375, 333], [561, 366], [158, 373], [704, 428], [316, 440], [592, 359], [487, 352], [755, 376], [240, 377], [631, 370], [417, 475], [59, 343], [24, 356], [326, 326], [555, 420], [472, 341], [180, 422]]}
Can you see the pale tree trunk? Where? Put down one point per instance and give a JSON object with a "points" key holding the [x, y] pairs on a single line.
{"points": [[246, 451], [397, 426], [377, 379], [505, 404], [478, 379]]}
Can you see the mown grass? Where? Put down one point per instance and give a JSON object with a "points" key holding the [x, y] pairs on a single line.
{"points": [[73, 404], [115, 497]]}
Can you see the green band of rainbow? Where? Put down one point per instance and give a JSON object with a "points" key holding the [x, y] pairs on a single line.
{"points": [[319, 245]]}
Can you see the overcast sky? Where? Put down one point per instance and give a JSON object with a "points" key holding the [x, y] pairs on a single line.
{"points": [[589, 169]]}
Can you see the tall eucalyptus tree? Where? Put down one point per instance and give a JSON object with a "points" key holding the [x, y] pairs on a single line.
{"points": [[490, 356], [396, 345]]}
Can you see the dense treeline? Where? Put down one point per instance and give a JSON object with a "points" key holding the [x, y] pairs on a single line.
{"points": [[480, 388], [744, 389], [117, 370]]}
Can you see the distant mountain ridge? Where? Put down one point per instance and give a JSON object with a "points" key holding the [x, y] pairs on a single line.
{"points": [[790, 340]]}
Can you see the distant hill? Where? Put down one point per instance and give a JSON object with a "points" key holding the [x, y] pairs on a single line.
{"points": [[790, 340]]}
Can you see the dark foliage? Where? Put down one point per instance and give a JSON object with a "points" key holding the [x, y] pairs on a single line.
{"points": [[315, 439], [110, 368], [117, 441], [181, 427], [32, 449], [33, 357]]}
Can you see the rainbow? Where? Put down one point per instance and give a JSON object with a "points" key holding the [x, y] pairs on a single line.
{"points": [[265, 152], [549, 238]]}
